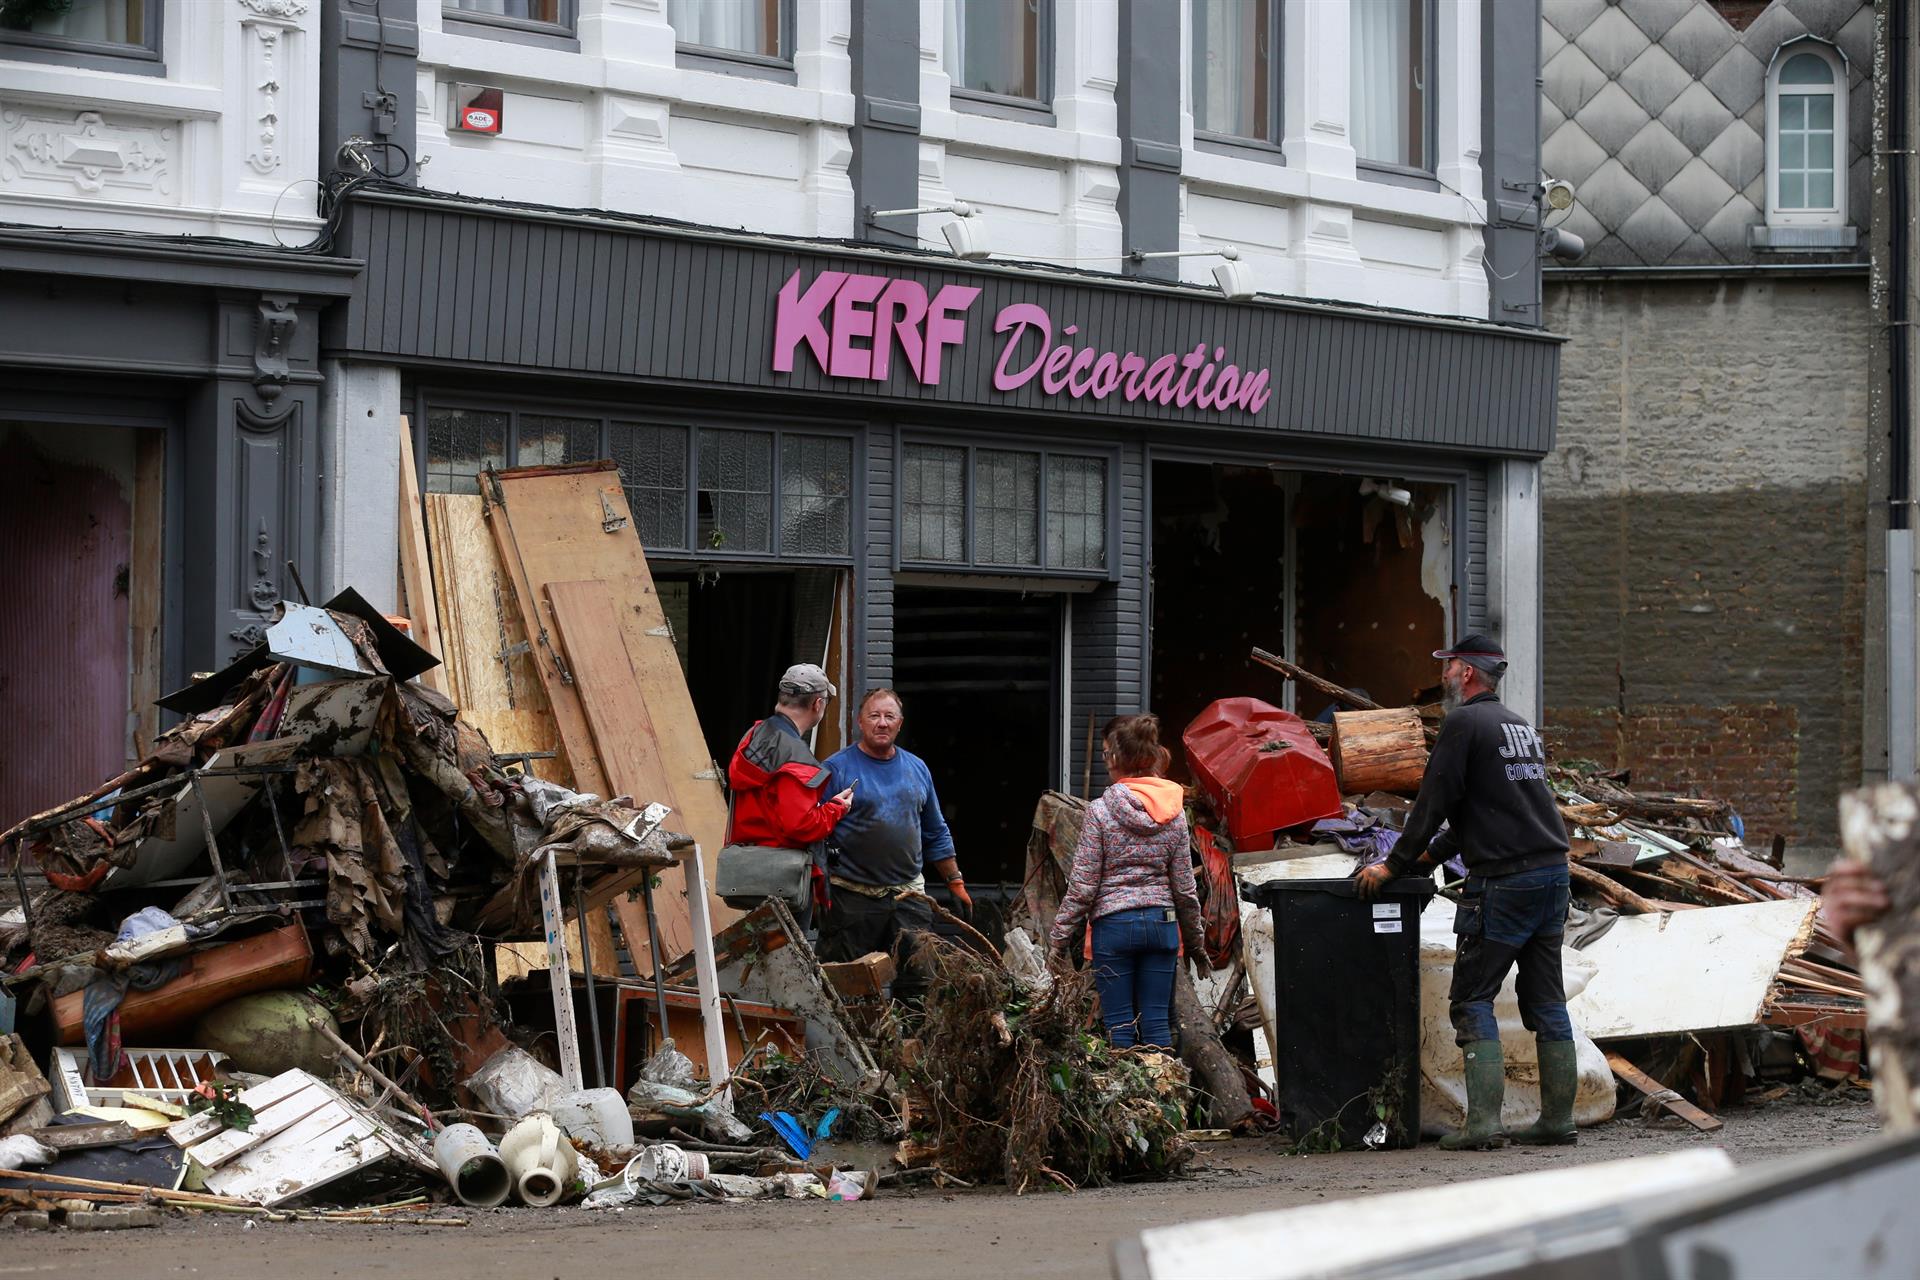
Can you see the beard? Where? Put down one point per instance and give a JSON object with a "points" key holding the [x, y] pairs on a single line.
{"points": [[1450, 692]]}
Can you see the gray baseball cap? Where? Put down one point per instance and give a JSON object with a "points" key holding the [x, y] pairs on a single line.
{"points": [[805, 678]]}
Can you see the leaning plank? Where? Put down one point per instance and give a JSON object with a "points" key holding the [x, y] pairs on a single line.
{"points": [[416, 573], [1662, 1096]]}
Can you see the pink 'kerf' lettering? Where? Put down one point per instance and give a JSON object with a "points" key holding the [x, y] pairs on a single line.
{"points": [[797, 317], [853, 318], [946, 326], [900, 310]]}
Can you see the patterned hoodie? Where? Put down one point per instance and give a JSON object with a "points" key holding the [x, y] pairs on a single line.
{"points": [[1134, 851]]}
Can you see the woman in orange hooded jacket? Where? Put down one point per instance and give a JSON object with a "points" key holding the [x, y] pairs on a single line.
{"points": [[1133, 877]]}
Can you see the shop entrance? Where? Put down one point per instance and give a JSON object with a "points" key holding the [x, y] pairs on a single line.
{"points": [[979, 673], [738, 630], [1355, 585]]}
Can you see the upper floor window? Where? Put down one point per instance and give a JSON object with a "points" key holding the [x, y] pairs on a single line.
{"points": [[535, 17], [750, 28], [1235, 71], [100, 33], [1392, 82], [1806, 126], [999, 49]]}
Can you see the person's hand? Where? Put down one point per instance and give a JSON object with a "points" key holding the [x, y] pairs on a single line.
{"points": [[1852, 896], [1369, 882], [962, 900], [1062, 952], [1202, 967], [845, 798]]}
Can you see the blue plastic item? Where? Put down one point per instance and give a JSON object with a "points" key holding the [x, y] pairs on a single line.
{"points": [[791, 1132], [824, 1129]]}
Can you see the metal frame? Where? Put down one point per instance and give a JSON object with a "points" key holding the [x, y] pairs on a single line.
{"points": [[425, 399], [145, 59], [1044, 447]]}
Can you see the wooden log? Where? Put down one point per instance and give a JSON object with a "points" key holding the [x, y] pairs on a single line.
{"points": [[1379, 750], [1880, 826], [1660, 1095], [1610, 889], [1213, 1066], [1341, 695]]}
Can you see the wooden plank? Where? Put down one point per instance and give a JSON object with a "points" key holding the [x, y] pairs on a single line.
{"points": [[1662, 1096], [228, 1143], [194, 1129], [145, 573], [264, 962], [83, 1137], [328, 1144], [572, 524], [416, 568]]}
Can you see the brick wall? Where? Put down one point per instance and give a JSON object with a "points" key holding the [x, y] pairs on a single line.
{"points": [[1704, 539], [1748, 756]]}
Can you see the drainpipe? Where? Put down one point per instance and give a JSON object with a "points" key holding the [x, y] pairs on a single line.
{"points": [[1901, 655]]}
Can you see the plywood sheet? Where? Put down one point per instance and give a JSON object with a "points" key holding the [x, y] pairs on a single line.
{"points": [[570, 525], [416, 571], [1711, 969]]}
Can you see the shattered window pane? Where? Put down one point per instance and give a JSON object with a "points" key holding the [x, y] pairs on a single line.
{"points": [[1006, 507], [1076, 513], [653, 471], [816, 487], [933, 503], [736, 490], [460, 444], [548, 442]]}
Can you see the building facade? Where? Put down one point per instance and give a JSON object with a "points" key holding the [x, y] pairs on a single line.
{"points": [[1715, 504], [741, 249]]}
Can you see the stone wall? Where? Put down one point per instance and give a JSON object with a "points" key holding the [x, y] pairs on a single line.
{"points": [[1705, 536]]}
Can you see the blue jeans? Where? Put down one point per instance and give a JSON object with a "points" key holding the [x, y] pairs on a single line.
{"points": [[1134, 953], [1503, 922]]}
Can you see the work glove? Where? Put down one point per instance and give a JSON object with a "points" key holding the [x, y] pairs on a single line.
{"points": [[1369, 881], [962, 900]]}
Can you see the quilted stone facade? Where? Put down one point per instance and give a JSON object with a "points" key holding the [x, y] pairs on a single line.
{"points": [[1655, 110]]}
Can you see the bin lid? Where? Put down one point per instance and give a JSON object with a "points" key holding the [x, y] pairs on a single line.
{"points": [[1264, 893]]}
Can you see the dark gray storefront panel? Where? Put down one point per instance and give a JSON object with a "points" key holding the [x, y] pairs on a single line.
{"points": [[1109, 642], [703, 311]]}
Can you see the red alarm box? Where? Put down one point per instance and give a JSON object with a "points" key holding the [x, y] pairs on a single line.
{"points": [[1261, 769]]}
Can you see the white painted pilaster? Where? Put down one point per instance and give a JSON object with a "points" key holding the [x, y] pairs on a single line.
{"points": [[1514, 579], [360, 481]]}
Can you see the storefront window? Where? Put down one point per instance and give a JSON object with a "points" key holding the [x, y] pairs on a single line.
{"points": [[933, 504], [653, 471], [816, 491], [1005, 498], [548, 442], [461, 443], [736, 490], [1076, 512], [1006, 507]]}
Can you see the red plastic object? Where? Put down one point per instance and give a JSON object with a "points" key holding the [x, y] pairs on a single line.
{"points": [[1261, 769]]}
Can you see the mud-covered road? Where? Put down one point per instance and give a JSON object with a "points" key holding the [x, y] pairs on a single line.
{"points": [[983, 1233]]}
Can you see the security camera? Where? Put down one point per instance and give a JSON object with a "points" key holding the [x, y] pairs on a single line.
{"points": [[1386, 492], [1558, 193], [1561, 244]]}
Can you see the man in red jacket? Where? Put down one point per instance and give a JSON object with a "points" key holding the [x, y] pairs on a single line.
{"points": [[775, 780]]}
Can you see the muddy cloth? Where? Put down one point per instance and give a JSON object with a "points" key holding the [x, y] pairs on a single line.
{"points": [[1487, 778]]}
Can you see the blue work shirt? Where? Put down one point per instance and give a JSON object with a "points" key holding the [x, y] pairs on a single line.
{"points": [[895, 826]]}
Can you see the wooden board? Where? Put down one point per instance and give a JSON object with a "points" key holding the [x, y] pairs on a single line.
{"points": [[1710, 969], [1662, 1096], [571, 524], [144, 575], [263, 962], [416, 569]]}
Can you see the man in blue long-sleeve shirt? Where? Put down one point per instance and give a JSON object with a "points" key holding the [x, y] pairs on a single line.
{"points": [[878, 855]]}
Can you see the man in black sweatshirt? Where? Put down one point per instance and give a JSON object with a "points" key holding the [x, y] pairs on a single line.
{"points": [[1487, 780]]}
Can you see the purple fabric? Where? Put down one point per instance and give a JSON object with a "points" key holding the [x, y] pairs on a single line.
{"points": [[1370, 839]]}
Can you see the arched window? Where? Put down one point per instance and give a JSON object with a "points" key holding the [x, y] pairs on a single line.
{"points": [[1807, 136]]}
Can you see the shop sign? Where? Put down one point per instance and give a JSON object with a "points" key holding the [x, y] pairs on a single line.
{"points": [[854, 324]]}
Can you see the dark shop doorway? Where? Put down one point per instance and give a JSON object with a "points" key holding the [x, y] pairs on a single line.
{"points": [[1219, 589], [979, 673], [736, 631]]}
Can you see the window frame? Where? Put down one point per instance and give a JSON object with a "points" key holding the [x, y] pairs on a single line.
{"points": [[1233, 143], [1836, 61], [1045, 449], [564, 34], [1009, 106], [428, 400], [145, 59], [1425, 177], [694, 56]]}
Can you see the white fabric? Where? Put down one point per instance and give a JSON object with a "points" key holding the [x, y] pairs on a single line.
{"points": [[1380, 78], [739, 25]]}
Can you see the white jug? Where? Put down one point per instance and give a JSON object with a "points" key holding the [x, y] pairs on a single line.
{"points": [[540, 1159], [595, 1116]]}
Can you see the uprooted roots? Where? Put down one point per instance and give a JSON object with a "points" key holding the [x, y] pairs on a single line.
{"points": [[1021, 1086]]}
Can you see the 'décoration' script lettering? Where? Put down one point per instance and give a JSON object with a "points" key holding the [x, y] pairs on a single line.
{"points": [[854, 323]]}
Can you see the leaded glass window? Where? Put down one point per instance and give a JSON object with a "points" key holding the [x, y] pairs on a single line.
{"points": [[1076, 512], [736, 490], [816, 495], [549, 441], [653, 471], [933, 503], [461, 443], [1006, 507]]}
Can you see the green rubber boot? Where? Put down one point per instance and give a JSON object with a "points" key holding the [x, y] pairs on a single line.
{"points": [[1486, 1089], [1559, 1079]]}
